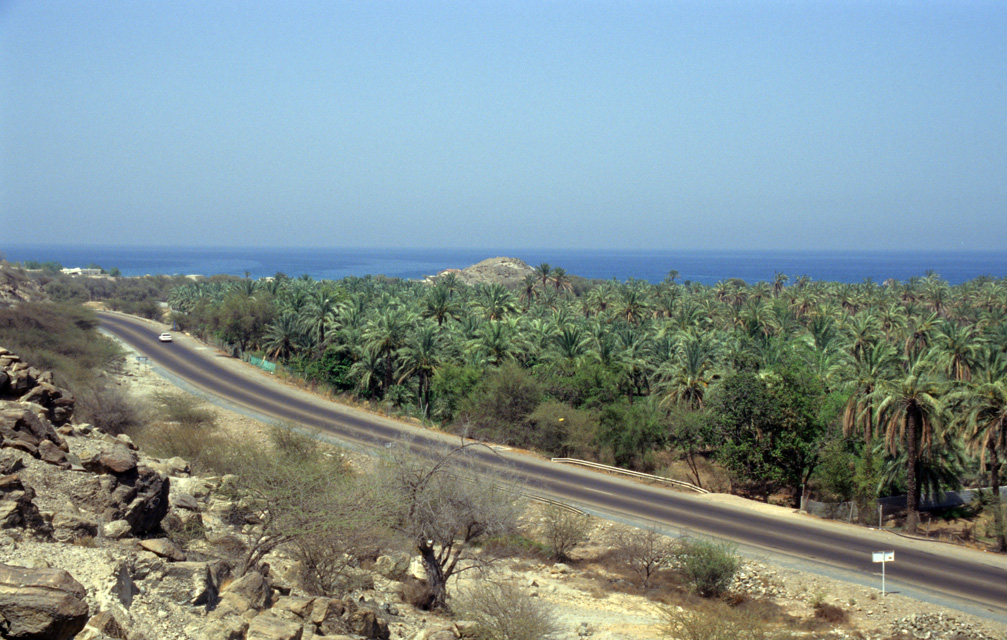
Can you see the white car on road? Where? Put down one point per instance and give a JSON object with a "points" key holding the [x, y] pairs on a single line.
{"points": [[164, 337]]}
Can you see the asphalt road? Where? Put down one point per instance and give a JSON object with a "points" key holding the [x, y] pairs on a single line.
{"points": [[974, 581]]}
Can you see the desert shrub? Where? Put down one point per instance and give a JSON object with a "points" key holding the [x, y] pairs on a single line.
{"points": [[830, 613], [331, 561], [185, 532], [563, 529], [445, 508], [183, 408], [645, 551], [713, 620], [109, 409], [180, 424], [708, 567], [61, 338], [516, 546], [354, 525], [290, 440], [204, 449], [505, 611], [418, 593]]}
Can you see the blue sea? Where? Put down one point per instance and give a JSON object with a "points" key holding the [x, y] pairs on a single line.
{"points": [[704, 267]]}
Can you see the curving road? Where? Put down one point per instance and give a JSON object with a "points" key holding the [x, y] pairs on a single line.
{"points": [[951, 576]]}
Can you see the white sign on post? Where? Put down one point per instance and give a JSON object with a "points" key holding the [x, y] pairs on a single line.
{"points": [[883, 557]]}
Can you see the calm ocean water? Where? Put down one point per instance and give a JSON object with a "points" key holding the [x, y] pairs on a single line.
{"points": [[706, 267]]}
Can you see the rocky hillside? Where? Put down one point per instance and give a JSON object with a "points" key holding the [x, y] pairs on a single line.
{"points": [[509, 272], [100, 541], [88, 531], [16, 286]]}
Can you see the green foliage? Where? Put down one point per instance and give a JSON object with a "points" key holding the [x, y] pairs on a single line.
{"points": [[708, 567], [451, 385], [500, 406], [836, 473], [51, 266], [66, 289], [768, 425], [690, 435], [589, 385], [562, 431], [332, 369], [632, 431], [593, 346]]}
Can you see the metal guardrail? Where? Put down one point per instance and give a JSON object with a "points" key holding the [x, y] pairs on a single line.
{"points": [[627, 472]]}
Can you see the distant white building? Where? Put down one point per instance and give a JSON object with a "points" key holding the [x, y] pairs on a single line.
{"points": [[78, 271]]}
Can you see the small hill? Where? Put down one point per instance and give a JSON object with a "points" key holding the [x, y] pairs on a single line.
{"points": [[509, 272]]}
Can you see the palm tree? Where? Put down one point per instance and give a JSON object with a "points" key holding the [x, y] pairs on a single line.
{"points": [[421, 357], [862, 378], [921, 329], [779, 280], [441, 304], [561, 280], [320, 312], [862, 331], [909, 410], [572, 344], [384, 335], [283, 337], [686, 378], [633, 303], [984, 428], [528, 291], [494, 343], [495, 301], [366, 371], [958, 348], [543, 272]]}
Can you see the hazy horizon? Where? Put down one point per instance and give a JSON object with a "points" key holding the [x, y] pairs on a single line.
{"points": [[689, 125]]}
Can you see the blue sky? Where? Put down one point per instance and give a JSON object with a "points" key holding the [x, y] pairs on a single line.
{"points": [[629, 125]]}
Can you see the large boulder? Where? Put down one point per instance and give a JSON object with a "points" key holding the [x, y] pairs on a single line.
{"points": [[268, 626], [254, 587], [99, 456], [231, 627], [140, 497], [17, 507], [23, 426], [19, 381], [40, 604]]}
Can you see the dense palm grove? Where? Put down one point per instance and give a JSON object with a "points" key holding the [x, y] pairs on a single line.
{"points": [[851, 390]]}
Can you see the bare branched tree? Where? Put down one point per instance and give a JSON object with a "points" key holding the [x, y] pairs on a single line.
{"points": [[563, 529], [444, 506], [645, 551], [295, 492]]}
